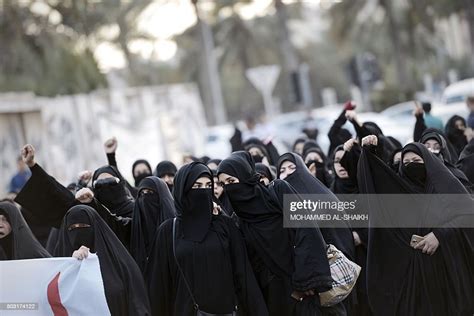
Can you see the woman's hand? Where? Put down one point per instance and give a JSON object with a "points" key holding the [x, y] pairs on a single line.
{"points": [[429, 244], [28, 155], [85, 195], [216, 209], [370, 140], [356, 237], [110, 146], [81, 253]]}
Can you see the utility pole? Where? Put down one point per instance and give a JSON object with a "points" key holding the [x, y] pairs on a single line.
{"points": [[209, 60]]}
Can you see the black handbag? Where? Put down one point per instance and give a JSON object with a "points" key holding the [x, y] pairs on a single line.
{"points": [[195, 304]]}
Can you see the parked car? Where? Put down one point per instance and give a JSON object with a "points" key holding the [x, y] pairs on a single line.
{"points": [[458, 92]]}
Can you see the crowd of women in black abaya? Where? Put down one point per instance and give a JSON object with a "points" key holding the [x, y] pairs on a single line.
{"points": [[209, 236]]}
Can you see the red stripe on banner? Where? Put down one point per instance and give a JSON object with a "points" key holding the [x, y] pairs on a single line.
{"points": [[54, 299]]}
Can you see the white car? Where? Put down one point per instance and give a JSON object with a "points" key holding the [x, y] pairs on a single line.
{"points": [[458, 91]]}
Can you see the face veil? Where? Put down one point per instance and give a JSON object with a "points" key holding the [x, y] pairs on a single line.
{"points": [[193, 206]]}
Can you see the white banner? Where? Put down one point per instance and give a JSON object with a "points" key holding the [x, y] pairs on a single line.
{"points": [[52, 287]]}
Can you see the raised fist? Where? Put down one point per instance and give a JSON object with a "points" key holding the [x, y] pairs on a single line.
{"points": [[84, 176], [369, 140], [85, 195], [418, 109], [28, 155], [351, 115], [110, 145]]}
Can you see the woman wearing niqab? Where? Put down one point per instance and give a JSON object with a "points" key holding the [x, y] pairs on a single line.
{"points": [[402, 280], [153, 206], [125, 289], [285, 261], [200, 258]]}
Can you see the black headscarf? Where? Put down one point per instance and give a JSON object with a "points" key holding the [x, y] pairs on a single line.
{"points": [[124, 286], [150, 211], [257, 143], [466, 161], [216, 161], [305, 183], [412, 272], [261, 217], [322, 171], [263, 170], [115, 196], [300, 255], [298, 141], [349, 162], [193, 206], [373, 128], [165, 168], [338, 139], [141, 176], [395, 166], [312, 146], [432, 133], [446, 156], [20, 243], [204, 159], [456, 136]]}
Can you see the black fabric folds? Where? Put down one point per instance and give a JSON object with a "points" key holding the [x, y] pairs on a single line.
{"points": [[151, 210], [20, 243], [124, 286], [415, 283], [193, 207]]}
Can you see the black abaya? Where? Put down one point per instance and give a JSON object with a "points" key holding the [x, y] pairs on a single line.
{"points": [[284, 260], [211, 254], [150, 211], [445, 155], [400, 279], [123, 283], [305, 183], [466, 161], [20, 243], [455, 135]]}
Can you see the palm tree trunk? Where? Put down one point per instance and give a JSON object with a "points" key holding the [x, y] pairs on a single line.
{"points": [[469, 5], [394, 35], [287, 50]]}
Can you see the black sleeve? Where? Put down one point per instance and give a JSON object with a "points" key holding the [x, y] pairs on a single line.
{"points": [[111, 160], [249, 296], [121, 226], [236, 140], [350, 160], [312, 270], [45, 198], [420, 127], [336, 127], [360, 130]]}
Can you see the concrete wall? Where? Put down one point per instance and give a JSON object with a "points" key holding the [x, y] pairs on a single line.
{"points": [[153, 123]]}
